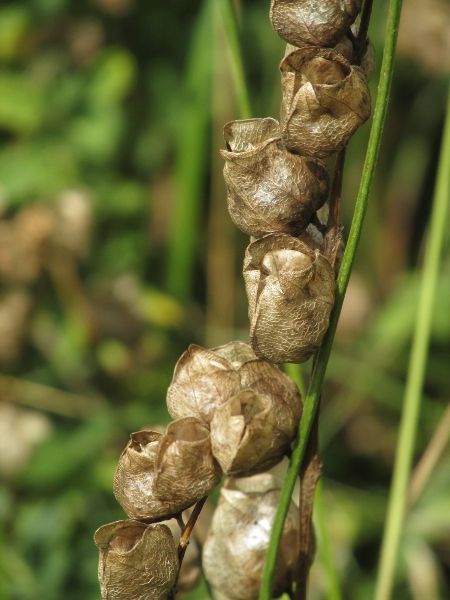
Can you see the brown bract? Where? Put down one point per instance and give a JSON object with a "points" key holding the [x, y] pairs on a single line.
{"points": [[136, 561], [290, 291], [325, 100], [236, 547], [269, 189], [312, 22]]}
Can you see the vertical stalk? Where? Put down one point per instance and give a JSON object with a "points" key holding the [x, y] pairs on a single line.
{"points": [[191, 161], [416, 374], [313, 395]]}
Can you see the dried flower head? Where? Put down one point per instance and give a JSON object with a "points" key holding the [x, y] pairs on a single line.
{"points": [[290, 290], [136, 561], [325, 100], [270, 190], [346, 47], [308, 22], [235, 550]]}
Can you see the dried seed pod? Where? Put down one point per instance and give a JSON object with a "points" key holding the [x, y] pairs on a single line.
{"points": [[308, 22], [202, 380], [236, 353], [136, 561], [345, 47], [290, 291], [206, 379], [235, 550], [325, 100], [245, 438], [185, 470], [269, 189]]}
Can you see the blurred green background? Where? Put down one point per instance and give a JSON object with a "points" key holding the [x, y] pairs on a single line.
{"points": [[116, 252]]}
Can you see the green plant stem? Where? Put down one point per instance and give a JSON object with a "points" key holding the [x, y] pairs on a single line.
{"points": [[191, 160], [313, 395], [235, 53], [416, 374]]}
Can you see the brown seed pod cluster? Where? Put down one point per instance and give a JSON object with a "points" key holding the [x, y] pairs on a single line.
{"points": [[235, 412], [277, 181]]}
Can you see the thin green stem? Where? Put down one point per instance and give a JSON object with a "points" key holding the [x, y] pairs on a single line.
{"points": [[416, 374], [235, 53], [313, 395], [295, 373]]}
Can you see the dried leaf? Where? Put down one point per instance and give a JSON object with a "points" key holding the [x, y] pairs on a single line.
{"points": [[308, 22], [270, 190], [136, 561], [290, 290], [325, 100], [185, 470], [235, 550]]}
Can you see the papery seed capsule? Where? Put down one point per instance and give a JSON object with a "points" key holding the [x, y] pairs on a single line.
{"points": [[269, 189], [290, 291], [206, 379], [345, 47], [236, 547], [136, 561], [325, 100], [185, 470], [148, 465], [309, 22], [245, 438], [202, 380]]}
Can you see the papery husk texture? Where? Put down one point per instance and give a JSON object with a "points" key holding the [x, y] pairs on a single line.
{"points": [[236, 547], [205, 379], [245, 436], [185, 468], [137, 561], [312, 22], [290, 291], [269, 189], [325, 100]]}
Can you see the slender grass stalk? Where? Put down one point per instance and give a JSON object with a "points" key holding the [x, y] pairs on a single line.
{"points": [[295, 372], [192, 160], [313, 395], [334, 590], [235, 53], [416, 374]]}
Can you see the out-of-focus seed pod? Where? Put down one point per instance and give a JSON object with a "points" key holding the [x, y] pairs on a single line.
{"points": [[290, 291], [209, 388], [136, 561], [185, 470], [325, 100], [202, 380], [270, 190], [235, 550], [309, 22]]}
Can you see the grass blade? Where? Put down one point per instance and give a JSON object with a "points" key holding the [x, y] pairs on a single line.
{"points": [[416, 374]]}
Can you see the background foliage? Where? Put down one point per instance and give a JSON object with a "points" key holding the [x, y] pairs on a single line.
{"points": [[116, 252]]}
